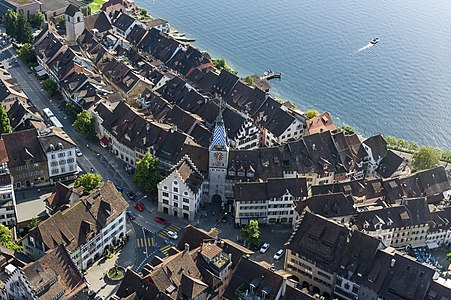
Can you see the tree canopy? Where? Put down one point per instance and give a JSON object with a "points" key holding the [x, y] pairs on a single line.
{"points": [[50, 87], [5, 124], [425, 158], [18, 27], [147, 174], [251, 232], [6, 239], [311, 113], [220, 64], [348, 129], [84, 124], [89, 181], [26, 53], [249, 80]]}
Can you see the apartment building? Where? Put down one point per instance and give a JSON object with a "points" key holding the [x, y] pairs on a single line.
{"points": [[85, 229], [270, 202]]}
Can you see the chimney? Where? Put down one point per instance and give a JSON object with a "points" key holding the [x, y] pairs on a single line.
{"points": [[186, 247]]}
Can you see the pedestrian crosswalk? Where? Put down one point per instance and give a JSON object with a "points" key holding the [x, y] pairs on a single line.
{"points": [[145, 242], [171, 227], [165, 250]]}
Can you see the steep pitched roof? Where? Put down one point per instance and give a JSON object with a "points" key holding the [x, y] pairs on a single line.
{"points": [[250, 272], [99, 21], [78, 224], [23, 146], [57, 270], [71, 10], [189, 174], [328, 205]]}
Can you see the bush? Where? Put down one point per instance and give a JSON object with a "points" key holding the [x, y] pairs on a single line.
{"points": [[311, 113], [249, 81]]}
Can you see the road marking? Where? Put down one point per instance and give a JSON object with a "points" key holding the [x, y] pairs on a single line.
{"points": [[137, 241], [165, 250], [148, 241], [153, 241]]}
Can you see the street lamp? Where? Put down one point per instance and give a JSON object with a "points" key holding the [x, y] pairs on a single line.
{"points": [[145, 196]]}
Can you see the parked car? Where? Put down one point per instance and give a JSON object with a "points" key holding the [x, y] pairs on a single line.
{"points": [[131, 195], [119, 188], [173, 235], [138, 207], [161, 221], [279, 254], [131, 215], [78, 152], [264, 248]]}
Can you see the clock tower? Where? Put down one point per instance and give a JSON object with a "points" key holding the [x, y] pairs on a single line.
{"points": [[218, 160]]}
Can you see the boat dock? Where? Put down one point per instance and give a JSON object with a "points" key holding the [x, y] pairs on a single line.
{"points": [[271, 75]]}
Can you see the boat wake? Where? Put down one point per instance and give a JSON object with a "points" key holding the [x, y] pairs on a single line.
{"points": [[366, 47]]}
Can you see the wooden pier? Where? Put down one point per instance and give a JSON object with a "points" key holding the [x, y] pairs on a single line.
{"points": [[271, 75]]}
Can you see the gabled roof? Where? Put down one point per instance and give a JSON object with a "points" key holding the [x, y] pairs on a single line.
{"points": [[99, 21], [328, 205], [272, 188], [390, 164], [123, 22], [54, 273], [76, 225], [250, 272], [23, 146], [189, 174], [320, 123], [378, 146]]}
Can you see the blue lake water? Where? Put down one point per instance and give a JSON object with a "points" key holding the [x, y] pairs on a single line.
{"points": [[400, 87]]}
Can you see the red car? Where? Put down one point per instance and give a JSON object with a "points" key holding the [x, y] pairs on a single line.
{"points": [[139, 207], [161, 221]]}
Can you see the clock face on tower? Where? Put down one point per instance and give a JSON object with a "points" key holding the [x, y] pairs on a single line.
{"points": [[219, 157]]}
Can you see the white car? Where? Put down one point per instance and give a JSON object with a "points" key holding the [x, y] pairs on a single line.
{"points": [[279, 254], [264, 248], [78, 152], [172, 235]]}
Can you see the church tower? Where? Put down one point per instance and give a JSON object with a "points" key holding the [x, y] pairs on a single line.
{"points": [[218, 160], [75, 24]]}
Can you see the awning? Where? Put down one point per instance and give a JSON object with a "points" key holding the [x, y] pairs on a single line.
{"points": [[104, 141], [432, 245]]}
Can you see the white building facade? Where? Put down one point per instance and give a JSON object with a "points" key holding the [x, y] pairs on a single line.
{"points": [[180, 193]]}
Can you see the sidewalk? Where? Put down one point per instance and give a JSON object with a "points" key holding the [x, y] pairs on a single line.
{"points": [[126, 257]]}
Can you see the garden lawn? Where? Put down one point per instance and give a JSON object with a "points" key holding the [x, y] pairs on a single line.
{"points": [[95, 5]]}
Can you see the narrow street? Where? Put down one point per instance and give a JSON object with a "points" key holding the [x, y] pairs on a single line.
{"points": [[149, 237]]}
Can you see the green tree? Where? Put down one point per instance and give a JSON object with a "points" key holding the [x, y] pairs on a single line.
{"points": [[448, 256], [5, 124], [413, 146], [147, 174], [84, 124], [220, 64], [89, 181], [10, 22], [26, 53], [60, 22], [426, 158], [311, 113], [27, 36], [33, 223], [6, 239], [348, 129], [37, 20], [251, 232], [249, 80], [392, 142], [50, 87], [72, 110], [446, 155]]}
